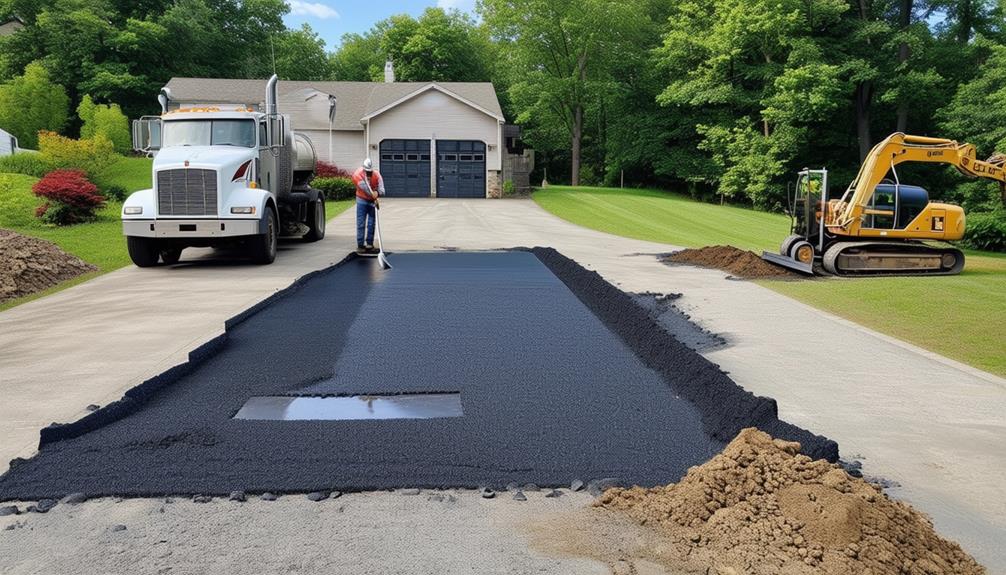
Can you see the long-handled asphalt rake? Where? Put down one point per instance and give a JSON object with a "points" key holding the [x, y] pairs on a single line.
{"points": [[382, 259]]}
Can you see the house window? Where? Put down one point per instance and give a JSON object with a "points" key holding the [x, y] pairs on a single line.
{"points": [[385, 156], [466, 157], [412, 157], [479, 157], [399, 156]]}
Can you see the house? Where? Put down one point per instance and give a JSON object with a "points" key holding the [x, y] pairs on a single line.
{"points": [[8, 143], [428, 139]]}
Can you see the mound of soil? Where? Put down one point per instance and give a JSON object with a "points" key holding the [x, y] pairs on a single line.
{"points": [[28, 265], [740, 263], [760, 507]]}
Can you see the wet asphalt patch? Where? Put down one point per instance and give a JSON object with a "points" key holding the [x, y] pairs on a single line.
{"points": [[560, 376]]}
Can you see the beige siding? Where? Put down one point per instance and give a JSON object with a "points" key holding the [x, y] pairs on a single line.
{"points": [[349, 147], [436, 116]]}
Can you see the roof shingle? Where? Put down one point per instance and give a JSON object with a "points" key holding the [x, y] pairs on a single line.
{"points": [[356, 99]]}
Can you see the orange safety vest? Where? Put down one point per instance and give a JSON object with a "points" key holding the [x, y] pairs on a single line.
{"points": [[358, 177]]}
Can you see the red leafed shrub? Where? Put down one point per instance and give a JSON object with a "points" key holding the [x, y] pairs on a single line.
{"points": [[327, 170], [70, 197]]}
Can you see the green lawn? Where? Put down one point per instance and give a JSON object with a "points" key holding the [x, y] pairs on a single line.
{"points": [[959, 317], [101, 242]]}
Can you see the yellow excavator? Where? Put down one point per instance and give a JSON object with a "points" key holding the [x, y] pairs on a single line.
{"points": [[880, 226]]}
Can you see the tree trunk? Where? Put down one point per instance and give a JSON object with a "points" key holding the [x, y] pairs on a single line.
{"points": [[965, 21], [577, 135], [864, 94], [904, 20], [581, 74]]}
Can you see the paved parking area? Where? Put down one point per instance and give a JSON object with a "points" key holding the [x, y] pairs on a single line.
{"points": [[931, 424]]}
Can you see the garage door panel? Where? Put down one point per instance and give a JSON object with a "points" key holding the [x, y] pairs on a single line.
{"points": [[405, 165], [461, 169]]}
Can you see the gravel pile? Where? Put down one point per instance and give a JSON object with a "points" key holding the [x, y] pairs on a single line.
{"points": [[760, 507], [29, 265], [739, 263]]}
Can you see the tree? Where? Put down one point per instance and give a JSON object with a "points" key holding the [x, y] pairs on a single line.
{"points": [[105, 120], [359, 57], [441, 45], [300, 55], [562, 55], [30, 103]]}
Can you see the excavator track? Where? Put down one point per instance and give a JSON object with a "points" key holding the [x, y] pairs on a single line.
{"points": [[854, 259]]}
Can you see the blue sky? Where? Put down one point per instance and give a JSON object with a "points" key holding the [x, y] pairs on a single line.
{"points": [[333, 18]]}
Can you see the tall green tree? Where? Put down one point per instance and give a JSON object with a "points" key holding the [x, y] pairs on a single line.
{"points": [[30, 103], [562, 55], [300, 55], [359, 57], [438, 46]]}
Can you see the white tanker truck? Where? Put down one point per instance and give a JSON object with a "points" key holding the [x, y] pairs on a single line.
{"points": [[222, 177]]}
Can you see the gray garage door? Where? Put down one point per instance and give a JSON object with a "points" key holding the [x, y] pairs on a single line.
{"points": [[405, 166], [461, 169]]}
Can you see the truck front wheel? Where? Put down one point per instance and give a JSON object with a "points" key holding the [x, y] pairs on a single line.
{"points": [[262, 248], [143, 251], [315, 221]]}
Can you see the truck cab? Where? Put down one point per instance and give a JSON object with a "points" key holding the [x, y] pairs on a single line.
{"points": [[221, 177]]}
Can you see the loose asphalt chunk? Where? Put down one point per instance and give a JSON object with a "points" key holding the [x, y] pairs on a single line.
{"points": [[519, 496], [9, 510], [43, 506], [542, 352], [268, 496], [238, 496], [318, 495], [74, 499], [576, 485]]}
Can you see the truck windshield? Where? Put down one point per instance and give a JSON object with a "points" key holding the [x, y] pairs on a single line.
{"points": [[209, 133]]}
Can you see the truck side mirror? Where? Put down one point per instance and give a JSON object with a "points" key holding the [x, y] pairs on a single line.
{"points": [[147, 134]]}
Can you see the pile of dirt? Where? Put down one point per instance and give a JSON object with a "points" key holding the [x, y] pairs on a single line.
{"points": [[740, 263], [28, 265], [760, 507]]}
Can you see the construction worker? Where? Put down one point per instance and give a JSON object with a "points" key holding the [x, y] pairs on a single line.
{"points": [[369, 187]]}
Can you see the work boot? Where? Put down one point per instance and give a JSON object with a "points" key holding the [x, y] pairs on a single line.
{"points": [[361, 250], [371, 250]]}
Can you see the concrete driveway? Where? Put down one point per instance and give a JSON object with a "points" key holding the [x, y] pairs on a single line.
{"points": [[931, 424]]}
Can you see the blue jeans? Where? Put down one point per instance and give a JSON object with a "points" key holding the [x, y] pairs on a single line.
{"points": [[365, 215]]}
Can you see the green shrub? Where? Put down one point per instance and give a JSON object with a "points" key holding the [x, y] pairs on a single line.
{"points": [[107, 120], [92, 155], [508, 188], [17, 202], [27, 163], [335, 188], [986, 231], [115, 193]]}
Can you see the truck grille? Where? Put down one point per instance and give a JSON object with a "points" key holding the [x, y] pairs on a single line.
{"points": [[187, 192]]}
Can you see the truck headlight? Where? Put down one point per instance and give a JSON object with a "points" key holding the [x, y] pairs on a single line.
{"points": [[243, 210], [132, 210]]}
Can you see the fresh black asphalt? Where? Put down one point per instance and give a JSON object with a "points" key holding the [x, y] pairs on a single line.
{"points": [[550, 391]]}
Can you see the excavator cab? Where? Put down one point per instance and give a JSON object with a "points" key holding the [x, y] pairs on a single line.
{"points": [[806, 210]]}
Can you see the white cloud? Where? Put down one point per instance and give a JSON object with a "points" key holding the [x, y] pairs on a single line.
{"points": [[315, 9]]}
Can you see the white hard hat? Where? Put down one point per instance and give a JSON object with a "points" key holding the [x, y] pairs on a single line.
{"points": [[368, 166]]}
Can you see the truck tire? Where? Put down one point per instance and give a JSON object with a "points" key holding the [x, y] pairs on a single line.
{"points": [[315, 221], [143, 251], [171, 256], [262, 247]]}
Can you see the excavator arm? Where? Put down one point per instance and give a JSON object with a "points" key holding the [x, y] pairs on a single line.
{"points": [[844, 215]]}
